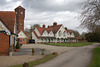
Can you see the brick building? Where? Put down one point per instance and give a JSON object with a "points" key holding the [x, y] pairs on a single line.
{"points": [[20, 15], [53, 34], [11, 26]]}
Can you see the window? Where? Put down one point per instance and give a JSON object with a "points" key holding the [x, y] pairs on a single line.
{"points": [[21, 12], [59, 33], [20, 29], [61, 39], [64, 33], [44, 32], [20, 23], [20, 34], [51, 33], [18, 39], [51, 39], [23, 39], [42, 39]]}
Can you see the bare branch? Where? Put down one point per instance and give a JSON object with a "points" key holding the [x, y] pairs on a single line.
{"points": [[90, 16]]}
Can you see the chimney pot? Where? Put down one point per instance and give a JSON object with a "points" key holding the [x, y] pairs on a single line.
{"points": [[43, 25], [48, 26], [55, 23], [65, 28]]}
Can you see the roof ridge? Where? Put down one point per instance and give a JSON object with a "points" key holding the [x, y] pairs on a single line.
{"points": [[7, 11], [19, 7]]}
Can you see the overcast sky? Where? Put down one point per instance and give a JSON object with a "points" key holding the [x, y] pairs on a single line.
{"points": [[46, 12]]}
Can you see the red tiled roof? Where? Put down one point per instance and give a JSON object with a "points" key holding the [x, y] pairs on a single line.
{"points": [[41, 36], [8, 18], [69, 31], [35, 34], [40, 29], [54, 29]]}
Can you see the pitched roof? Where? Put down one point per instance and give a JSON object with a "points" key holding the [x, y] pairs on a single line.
{"points": [[41, 36], [24, 32], [40, 29], [8, 18], [69, 31], [19, 7], [35, 34], [54, 29]]}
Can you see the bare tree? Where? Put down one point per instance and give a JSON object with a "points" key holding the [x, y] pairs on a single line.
{"points": [[90, 16], [27, 30], [33, 27]]}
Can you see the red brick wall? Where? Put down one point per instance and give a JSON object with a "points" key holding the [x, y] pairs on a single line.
{"points": [[4, 44], [21, 40], [20, 19]]}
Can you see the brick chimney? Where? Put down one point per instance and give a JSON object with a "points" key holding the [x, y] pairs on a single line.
{"points": [[65, 28], [43, 25], [48, 26], [55, 23]]}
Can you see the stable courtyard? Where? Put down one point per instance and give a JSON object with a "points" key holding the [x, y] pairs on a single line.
{"points": [[24, 55]]}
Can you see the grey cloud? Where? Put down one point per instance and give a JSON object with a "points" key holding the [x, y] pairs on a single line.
{"points": [[2, 2], [47, 11], [50, 5]]}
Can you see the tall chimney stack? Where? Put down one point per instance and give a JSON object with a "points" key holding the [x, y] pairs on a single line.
{"points": [[65, 28], [43, 25], [48, 26], [55, 23]]}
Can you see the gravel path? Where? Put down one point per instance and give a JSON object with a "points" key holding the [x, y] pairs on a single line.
{"points": [[77, 57], [6, 61], [50, 48], [65, 52], [28, 51]]}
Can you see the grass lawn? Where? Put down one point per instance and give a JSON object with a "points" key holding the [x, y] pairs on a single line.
{"points": [[95, 62], [39, 61], [78, 44]]}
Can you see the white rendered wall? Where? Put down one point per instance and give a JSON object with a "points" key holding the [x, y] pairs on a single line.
{"points": [[1, 28], [21, 35], [37, 32], [34, 37], [51, 34], [45, 33], [62, 29]]}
